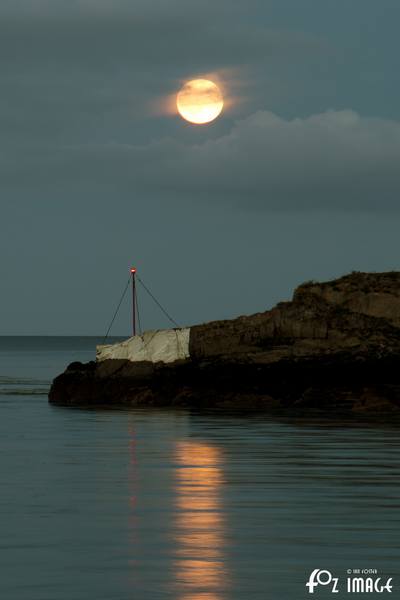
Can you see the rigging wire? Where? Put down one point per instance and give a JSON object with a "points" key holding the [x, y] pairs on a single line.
{"points": [[117, 309], [157, 302], [137, 309]]}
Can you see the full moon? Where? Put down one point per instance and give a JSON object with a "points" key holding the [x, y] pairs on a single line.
{"points": [[199, 101]]}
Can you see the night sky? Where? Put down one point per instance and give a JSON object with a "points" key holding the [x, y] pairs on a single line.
{"points": [[298, 179]]}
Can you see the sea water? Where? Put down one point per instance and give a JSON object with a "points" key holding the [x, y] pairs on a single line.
{"points": [[150, 504]]}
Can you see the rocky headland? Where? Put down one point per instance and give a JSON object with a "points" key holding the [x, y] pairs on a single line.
{"points": [[335, 347]]}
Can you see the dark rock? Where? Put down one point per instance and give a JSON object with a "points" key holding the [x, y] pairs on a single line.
{"points": [[335, 347]]}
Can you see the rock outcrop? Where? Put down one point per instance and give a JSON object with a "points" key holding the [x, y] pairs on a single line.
{"points": [[334, 347], [374, 294], [167, 346]]}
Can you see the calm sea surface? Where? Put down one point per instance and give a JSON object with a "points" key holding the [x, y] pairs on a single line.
{"points": [[126, 505]]}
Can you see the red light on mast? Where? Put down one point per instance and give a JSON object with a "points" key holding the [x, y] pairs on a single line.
{"points": [[133, 270]]}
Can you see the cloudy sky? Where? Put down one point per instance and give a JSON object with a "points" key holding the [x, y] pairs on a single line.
{"points": [[299, 179]]}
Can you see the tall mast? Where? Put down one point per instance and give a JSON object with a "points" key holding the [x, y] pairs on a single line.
{"points": [[133, 273]]}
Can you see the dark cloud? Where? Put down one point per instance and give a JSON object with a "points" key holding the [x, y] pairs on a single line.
{"points": [[176, 40], [335, 160]]}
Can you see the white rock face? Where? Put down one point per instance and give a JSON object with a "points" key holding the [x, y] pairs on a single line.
{"points": [[164, 345]]}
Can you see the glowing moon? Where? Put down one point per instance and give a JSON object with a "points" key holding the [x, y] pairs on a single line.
{"points": [[199, 101]]}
